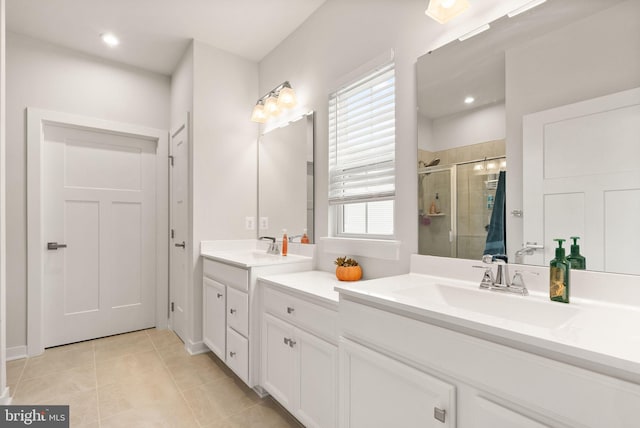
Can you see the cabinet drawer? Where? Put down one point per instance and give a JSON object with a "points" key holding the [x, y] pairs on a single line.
{"points": [[238, 354], [314, 318], [238, 311], [226, 274]]}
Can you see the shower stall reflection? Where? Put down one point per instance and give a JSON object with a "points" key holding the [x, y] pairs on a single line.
{"points": [[455, 203]]}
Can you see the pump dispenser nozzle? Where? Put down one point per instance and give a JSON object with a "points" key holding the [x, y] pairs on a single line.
{"points": [[576, 260]]}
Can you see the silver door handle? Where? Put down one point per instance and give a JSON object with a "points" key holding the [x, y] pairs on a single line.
{"points": [[183, 245], [55, 245], [290, 309], [232, 354], [232, 311], [219, 295], [292, 343]]}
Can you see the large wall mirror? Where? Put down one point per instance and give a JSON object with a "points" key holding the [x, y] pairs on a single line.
{"points": [[285, 179], [541, 111]]}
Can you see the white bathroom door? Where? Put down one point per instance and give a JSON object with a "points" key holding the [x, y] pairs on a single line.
{"points": [[179, 229], [581, 177], [99, 220]]}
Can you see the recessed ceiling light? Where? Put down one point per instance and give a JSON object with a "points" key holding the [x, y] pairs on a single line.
{"points": [[110, 39], [469, 100]]}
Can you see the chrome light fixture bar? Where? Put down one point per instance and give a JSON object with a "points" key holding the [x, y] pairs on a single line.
{"points": [[445, 10], [272, 103]]}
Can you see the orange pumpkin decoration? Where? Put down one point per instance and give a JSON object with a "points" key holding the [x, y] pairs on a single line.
{"points": [[348, 273]]}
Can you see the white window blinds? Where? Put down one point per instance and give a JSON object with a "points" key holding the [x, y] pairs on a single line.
{"points": [[362, 139]]}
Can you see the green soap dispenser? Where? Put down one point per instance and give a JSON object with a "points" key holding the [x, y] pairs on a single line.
{"points": [[576, 260], [559, 276]]}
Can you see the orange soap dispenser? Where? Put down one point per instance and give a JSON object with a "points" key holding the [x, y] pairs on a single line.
{"points": [[285, 241]]}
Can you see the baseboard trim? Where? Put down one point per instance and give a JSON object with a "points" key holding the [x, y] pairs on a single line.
{"points": [[16, 352], [5, 398], [195, 348]]}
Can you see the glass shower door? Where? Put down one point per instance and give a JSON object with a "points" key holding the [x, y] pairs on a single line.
{"points": [[436, 212]]}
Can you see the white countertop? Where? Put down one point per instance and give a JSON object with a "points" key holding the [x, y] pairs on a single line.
{"points": [[252, 258], [314, 284], [598, 336]]}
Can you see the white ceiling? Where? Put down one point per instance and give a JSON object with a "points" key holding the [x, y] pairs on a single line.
{"points": [[155, 33]]}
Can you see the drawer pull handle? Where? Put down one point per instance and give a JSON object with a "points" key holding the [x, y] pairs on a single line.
{"points": [[292, 343], [439, 414], [232, 354], [290, 309], [232, 311], [286, 341], [219, 295]]}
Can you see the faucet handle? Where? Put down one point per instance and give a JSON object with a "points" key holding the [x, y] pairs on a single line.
{"points": [[487, 279]]}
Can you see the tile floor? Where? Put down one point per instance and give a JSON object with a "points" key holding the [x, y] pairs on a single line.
{"points": [[141, 379]]}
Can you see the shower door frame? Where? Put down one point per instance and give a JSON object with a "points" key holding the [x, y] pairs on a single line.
{"points": [[453, 214]]}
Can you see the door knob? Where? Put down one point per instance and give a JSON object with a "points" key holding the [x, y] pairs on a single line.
{"points": [[183, 245], [55, 245]]}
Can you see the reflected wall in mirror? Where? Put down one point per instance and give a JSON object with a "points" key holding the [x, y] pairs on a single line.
{"points": [[545, 64], [285, 179]]}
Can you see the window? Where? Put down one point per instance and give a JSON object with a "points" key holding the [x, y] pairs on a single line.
{"points": [[362, 154]]}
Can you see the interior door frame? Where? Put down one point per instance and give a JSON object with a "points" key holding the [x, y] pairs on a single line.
{"points": [[36, 119]]}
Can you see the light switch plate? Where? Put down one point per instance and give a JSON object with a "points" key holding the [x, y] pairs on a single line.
{"points": [[250, 223], [264, 223]]}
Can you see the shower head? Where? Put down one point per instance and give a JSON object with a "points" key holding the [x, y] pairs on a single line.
{"points": [[434, 162]]}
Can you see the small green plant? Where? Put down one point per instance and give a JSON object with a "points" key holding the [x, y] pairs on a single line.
{"points": [[345, 262]]}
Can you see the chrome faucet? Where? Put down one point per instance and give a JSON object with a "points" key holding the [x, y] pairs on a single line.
{"points": [[501, 281], [273, 246]]}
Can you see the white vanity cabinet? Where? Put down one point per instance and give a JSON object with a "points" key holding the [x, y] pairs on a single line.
{"points": [[231, 319], [417, 367], [299, 349]]}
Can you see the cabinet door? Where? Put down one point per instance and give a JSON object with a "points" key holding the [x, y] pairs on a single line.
{"points": [[378, 391], [317, 373], [278, 358], [214, 317]]}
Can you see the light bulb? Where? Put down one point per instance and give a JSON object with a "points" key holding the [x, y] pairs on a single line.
{"points": [[271, 106], [445, 10], [287, 98], [258, 114]]}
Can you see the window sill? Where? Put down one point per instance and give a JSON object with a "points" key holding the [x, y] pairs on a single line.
{"points": [[375, 248]]}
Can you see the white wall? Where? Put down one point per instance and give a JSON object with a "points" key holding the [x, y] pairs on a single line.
{"points": [[3, 301], [337, 39], [223, 157], [595, 56], [486, 123], [48, 77]]}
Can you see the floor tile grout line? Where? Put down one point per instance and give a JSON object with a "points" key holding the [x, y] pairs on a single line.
{"points": [[95, 368], [24, 367], [173, 379]]}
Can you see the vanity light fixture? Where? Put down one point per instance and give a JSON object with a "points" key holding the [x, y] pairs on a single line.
{"points": [[475, 32], [445, 10], [271, 104], [469, 100], [525, 8], [110, 39]]}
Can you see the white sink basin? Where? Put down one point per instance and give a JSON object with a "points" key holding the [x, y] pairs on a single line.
{"points": [[528, 310]]}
